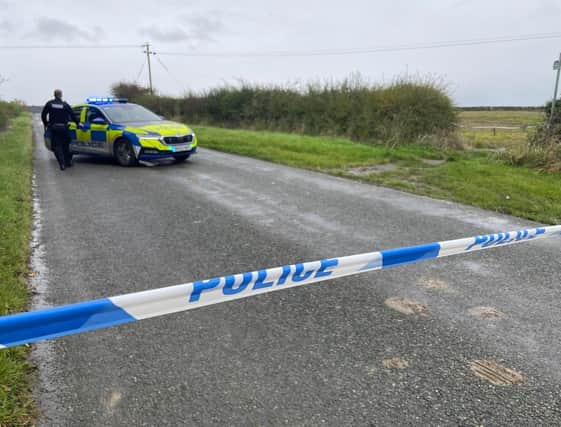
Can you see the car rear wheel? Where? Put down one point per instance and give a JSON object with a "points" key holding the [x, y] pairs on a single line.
{"points": [[124, 153], [182, 158]]}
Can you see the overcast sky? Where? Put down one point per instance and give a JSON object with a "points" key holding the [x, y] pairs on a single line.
{"points": [[518, 73]]}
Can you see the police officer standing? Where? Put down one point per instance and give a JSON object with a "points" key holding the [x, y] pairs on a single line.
{"points": [[55, 116]]}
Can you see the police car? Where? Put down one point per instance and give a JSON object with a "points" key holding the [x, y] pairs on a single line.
{"points": [[128, 132]]}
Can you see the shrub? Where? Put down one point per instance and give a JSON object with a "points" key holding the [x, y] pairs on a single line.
{"points": [[8, 110], [543, 149], [403, 111], [131, 91], [546, 135], [543, 157]]}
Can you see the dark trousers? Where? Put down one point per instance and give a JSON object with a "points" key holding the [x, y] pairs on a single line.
{"points": [[60, 141]]}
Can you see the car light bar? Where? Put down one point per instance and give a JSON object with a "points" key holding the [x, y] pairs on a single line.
{"points": [[99, 101]]}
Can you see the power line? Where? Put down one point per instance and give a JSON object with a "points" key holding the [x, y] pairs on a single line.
{"points": [[315, 52], [170, 74], [141, 70], [162, 64], [72, 46], [376, 49]]}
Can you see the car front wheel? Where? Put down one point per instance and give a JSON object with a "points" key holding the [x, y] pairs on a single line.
{"points": [[124, 153]]}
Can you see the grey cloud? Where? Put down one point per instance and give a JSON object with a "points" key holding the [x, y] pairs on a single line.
{"points": [[195, 30], [52, 29], [206, 28], [247, 25], [547, 8], [156, 34], [6, 26]]}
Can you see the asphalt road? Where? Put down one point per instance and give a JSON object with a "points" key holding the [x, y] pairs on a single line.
{"points": [[316, 355]]}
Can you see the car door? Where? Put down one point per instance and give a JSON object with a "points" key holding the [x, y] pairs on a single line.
{"points": [[74, 131], [96, 126]]}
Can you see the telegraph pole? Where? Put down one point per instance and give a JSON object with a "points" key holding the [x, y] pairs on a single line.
{"points": [[148, 52], [556, 66]]}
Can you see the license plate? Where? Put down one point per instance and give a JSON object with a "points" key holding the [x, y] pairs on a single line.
{"points": [[182, 147]]}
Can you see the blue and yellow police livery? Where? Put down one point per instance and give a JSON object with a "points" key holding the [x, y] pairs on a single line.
{"points": [[127, 132]]}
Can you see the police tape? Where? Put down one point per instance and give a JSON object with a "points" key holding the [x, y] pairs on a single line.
{"points": [[25, 328]]}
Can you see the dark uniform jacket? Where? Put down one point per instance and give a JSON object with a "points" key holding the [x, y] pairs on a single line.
{"points": [[57, 113]]}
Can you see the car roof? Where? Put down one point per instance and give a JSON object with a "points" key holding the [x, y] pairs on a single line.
{"points": [[102, 105]]}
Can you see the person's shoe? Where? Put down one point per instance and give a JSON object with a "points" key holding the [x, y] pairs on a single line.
{"points": [[62, 166]]}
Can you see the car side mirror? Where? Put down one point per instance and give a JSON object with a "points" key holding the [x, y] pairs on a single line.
{"points": [[99, 121]]}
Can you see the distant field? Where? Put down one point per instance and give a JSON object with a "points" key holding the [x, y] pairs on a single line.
{"points": [[500, 118], [497, 138]]}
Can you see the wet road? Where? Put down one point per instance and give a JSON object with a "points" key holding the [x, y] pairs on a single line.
{"points": [[328, 354]]}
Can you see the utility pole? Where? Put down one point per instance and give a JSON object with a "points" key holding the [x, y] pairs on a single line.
{"points": [[556, 66], [148, 52]]}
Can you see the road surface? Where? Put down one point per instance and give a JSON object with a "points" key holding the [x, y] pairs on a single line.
{"points": [[328, 354]]}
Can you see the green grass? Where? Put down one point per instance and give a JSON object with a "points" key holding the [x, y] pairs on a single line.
{"points": [[468, 177], [486, 183], [16, 406], [318, 153]]}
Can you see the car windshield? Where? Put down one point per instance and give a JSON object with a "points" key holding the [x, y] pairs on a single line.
{"points": [[128, 113]]}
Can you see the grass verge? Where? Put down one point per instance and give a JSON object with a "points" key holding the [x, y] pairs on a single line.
{"points": [[474, 178], [16, 406]]}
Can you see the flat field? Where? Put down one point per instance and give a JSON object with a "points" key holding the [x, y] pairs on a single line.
{"points": [[489, 129]]}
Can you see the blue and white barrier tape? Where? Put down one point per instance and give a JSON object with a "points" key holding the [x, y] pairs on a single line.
{"points": [[25, 328]]}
